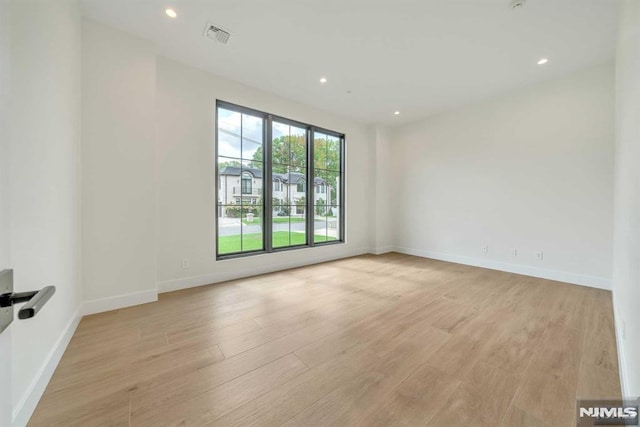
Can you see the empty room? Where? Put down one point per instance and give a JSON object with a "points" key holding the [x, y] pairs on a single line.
{"points": [[319, 213]]}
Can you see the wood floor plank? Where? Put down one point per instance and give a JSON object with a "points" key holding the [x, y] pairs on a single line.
{"points": [[516, 417], [597, 382], [415, 401], [208, 406], [241, 343], [285, 402], [168, 387], [549, 387], [460, 354], [481, 400], [399, 358], [112, 409], [366, 341]]}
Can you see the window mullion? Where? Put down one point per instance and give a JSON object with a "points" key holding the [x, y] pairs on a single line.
{"points": [[310, 189], [267, 225]]}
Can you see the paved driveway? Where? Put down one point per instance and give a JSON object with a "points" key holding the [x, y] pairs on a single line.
{"points": [[231, 226]]}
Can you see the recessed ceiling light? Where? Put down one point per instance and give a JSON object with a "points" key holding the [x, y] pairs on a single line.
{"points": [[543, 61], [396, 113], [171, 13], [323, 79]]}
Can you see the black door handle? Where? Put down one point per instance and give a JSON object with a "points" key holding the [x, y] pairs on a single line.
{"points": [[34, 299]]}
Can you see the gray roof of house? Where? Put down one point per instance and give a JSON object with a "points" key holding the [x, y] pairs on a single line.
{"points": [[289, 178], [294, 177], [237, 171]]}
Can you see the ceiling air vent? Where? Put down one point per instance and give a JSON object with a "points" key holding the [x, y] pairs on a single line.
{"points": [[516, 4], [216, 33]]}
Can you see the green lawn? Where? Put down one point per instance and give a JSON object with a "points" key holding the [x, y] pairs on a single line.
{"points": [[276, 220], [249, 242]]}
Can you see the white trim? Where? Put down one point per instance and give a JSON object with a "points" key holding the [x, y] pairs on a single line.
{"points": [[260, 268], [382, 250], [622, 361], [560, 276], [27, 404], [119, 301]]}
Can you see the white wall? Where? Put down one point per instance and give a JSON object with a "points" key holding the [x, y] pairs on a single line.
{"points": [[138, 108], [5, 92], [531, 170], [118, 165], [626, 275], [382, 228], [186, 179], [45, 184], [5, 233]]}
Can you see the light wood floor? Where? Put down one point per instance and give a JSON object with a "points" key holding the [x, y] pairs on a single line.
{"points": [[370, 341]]}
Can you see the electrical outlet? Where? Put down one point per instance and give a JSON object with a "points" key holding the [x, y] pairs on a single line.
{"points": [[540, 256], [185, 263], [484, 249], [514, 251]]}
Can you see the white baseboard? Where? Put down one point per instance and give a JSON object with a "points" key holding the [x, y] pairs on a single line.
{"points": [[622, 360], [260, 268], [27, 404], [560, 276], [382, 250], [119, 301]]}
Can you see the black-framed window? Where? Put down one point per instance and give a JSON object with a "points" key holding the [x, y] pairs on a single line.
{"points": [[280, 183], [246, 183]]}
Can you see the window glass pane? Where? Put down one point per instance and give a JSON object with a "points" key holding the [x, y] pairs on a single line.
{"points": [[229, 232], [320, 229], [333, 222], [326, 192], [280, 146], [289, 228], [298, 147], [280, 194], [280, 227], [228, 173], [229, 128], [289, 163], [298, 224], [252, 137], [320, 196], [333, 183], [240, 182], [298, 187], [327, 188], [332, 161], [224, 162], [252, 228], [250, 183], [327, 185], [320, 150]]}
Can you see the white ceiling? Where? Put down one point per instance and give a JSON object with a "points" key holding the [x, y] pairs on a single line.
{"points": [[416, 56]]}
